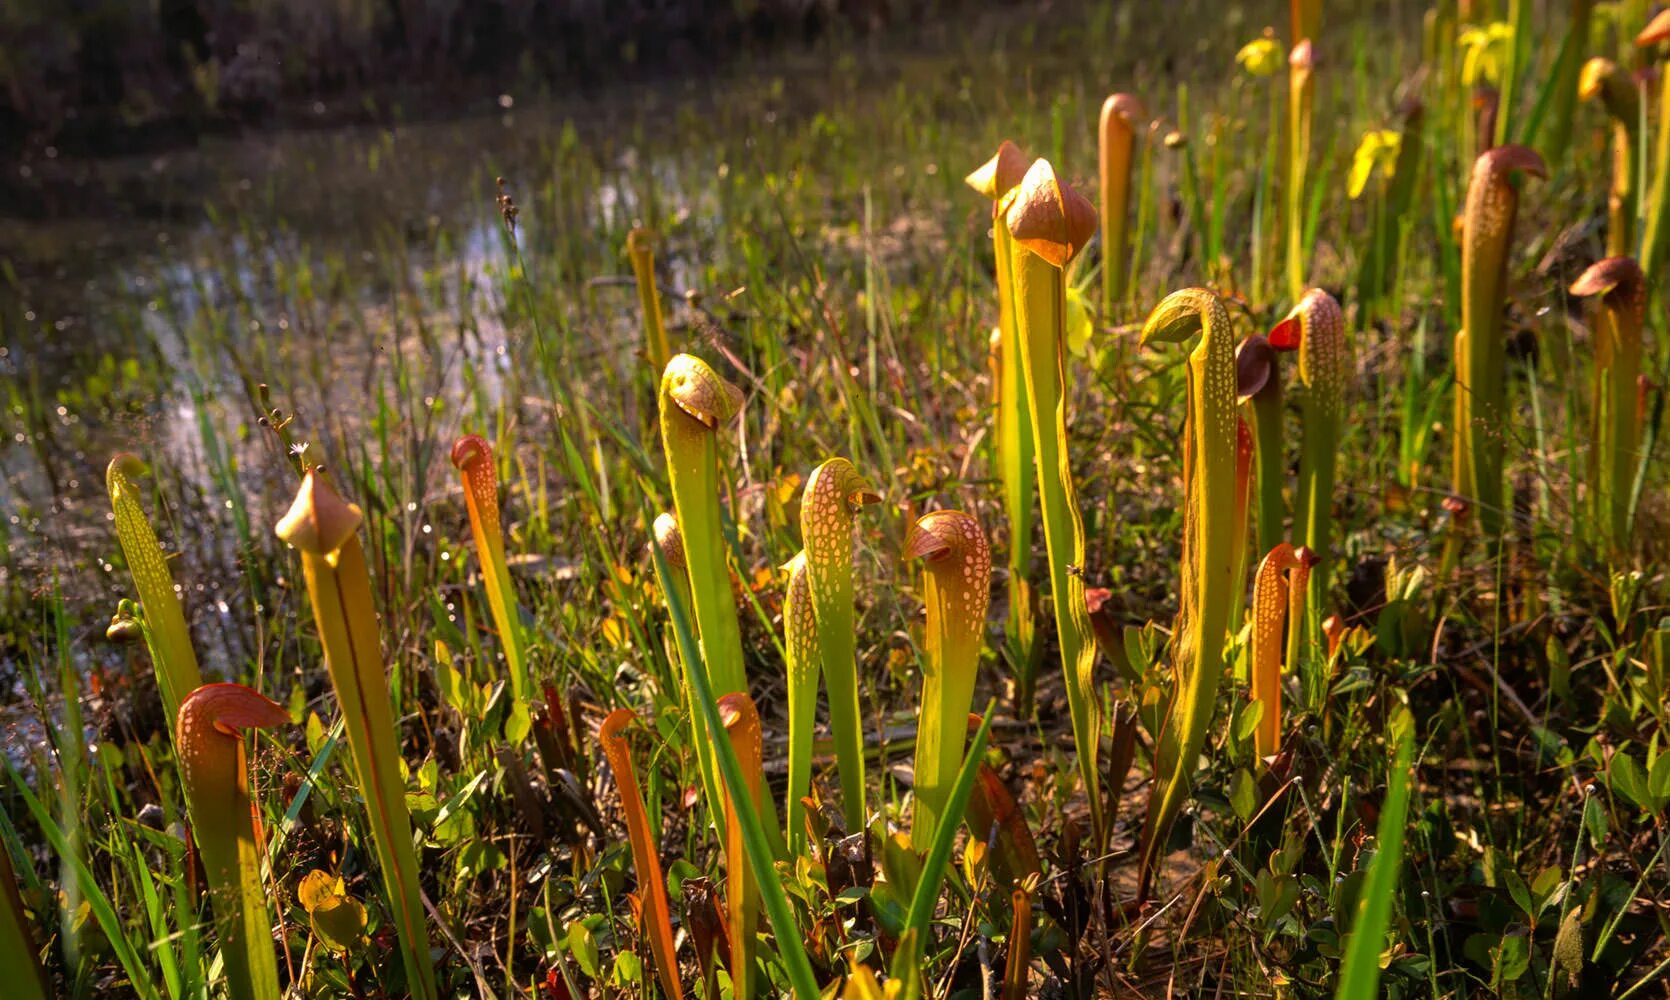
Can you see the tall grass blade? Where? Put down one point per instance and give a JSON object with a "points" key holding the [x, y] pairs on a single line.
{"points": [[165, 623], [1360, 970], [755, 844]]}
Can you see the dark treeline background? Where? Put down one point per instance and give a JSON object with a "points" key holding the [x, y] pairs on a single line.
{"points": [[93, 77]]}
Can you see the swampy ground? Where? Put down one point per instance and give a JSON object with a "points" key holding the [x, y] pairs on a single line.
{"points": [[355, 297]]}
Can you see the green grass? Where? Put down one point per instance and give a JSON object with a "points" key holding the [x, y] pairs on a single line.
{"points": [[365, 286]]}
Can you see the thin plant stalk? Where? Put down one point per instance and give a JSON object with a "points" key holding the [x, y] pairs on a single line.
{"points": [[1243, 498], [1513, 67], [1298, 587], [1051, 223], [1616, 427], [1605, 81], [323, 527], [1116, 132], [1566, 69], [646, 859], [835, 493], [1209, 559], [225, 825], [1259, 386], [742, 894], [695, 402], [1656, 240], [957, 591], [1318, 325], [800, 638], [1305, 16], [640, 249], [472, 456], [1300, 96], [1479, 431], [166, 633], [1015, 450]]}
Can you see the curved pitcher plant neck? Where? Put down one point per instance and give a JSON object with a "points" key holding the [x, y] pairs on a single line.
{"points": [[1209, 559], [957, 592], [208, 735], [694, 403]]}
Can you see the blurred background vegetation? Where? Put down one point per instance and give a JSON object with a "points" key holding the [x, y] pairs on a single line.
{"points": [[99, 76]]}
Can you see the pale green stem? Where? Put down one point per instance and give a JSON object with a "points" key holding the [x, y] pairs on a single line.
{"points": [[1040, 298]]}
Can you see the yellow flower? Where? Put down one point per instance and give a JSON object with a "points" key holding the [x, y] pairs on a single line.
{"points": [[1485, 52], [1262, 56], [1377, 153]]}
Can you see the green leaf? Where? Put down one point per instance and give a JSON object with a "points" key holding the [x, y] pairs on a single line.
{"points": [[339, 921], [1360, 971], [1521, 894], [1594, 818], [1276, 896], [583, 946], [1246, 722], [1658, 781], [790, 946], [1627, 779], [629, 970], [315, 732], [1243, 794], [517, 724], [316, 887], [1545, 886], [1510, 958]]}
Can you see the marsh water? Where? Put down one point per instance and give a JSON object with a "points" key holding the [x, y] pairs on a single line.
{"points": [[364, 270]]}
